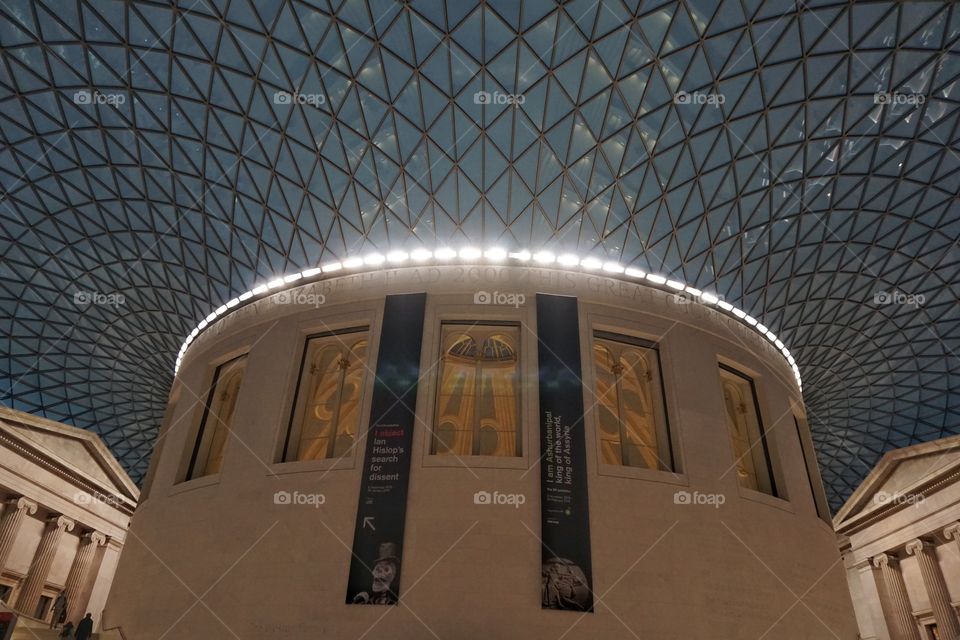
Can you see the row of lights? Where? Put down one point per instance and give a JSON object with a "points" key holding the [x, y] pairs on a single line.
{"points": [[495, 255]]}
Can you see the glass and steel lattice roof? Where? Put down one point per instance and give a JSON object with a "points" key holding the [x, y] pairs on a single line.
{"points": [[799, 159]]}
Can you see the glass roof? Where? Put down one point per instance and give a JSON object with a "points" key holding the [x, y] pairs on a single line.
{"points": [[801, 159]]}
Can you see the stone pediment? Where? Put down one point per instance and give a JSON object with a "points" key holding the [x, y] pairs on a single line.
{"points": [[77, 450], [901, 473]]}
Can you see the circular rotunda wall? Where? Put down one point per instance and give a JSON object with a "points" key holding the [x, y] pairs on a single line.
{"points": [[690, 496]]}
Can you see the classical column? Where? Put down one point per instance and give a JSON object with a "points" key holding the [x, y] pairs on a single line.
{"points": [[947, 623], [898, 601], [40, 567], [79, 573], [13, 514]]}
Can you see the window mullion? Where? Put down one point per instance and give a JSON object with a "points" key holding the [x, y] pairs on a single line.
{"points": [[623, 432], [335, 422], [477, 389]]}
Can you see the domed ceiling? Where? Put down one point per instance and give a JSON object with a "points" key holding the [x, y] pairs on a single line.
{"points": [[798, 158]]}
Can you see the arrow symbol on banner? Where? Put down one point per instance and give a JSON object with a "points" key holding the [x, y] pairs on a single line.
{"points": [[368, 520]]}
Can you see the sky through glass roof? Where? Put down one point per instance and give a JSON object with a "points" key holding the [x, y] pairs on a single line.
{"points": [[800, 159]]}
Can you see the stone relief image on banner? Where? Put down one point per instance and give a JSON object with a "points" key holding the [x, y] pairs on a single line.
{"points": [[564, 586], [383, 578]]}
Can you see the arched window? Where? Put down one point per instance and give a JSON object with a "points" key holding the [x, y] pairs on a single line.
{"points": [[478, 401], [629, 399], [215, 425], [326, 415], [751, 457]]}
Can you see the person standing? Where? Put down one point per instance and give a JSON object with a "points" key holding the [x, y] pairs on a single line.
{"points": [[67, 630], [84, 628], [59, 609]]}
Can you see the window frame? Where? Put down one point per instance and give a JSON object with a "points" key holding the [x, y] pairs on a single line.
{"points": [[665, 445], [44, 607], [200, 431], [776, 488], [434, 435], [443, 308], [10, 585], [295, 405], [362, 313], [644, 327]]}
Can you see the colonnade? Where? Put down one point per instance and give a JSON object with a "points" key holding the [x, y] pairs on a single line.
{"points": [[896, 602], [15, 510]]}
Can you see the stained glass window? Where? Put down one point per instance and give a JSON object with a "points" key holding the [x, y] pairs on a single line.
{"points": [[326, 415], [629, 399], [478, 400], [218, 413], [751, 456]]}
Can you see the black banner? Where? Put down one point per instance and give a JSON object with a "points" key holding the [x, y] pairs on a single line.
{"points": [[378, 536], [567, 581]]}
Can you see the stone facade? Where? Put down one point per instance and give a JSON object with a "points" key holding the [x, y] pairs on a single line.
{"points": [[66, 505], [898, 535]]}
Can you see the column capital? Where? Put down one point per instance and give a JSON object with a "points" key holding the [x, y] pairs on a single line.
{"points": [[63, 523], [952, 532], [884, 560], [23, 504], [916, 545], [96, 538]]}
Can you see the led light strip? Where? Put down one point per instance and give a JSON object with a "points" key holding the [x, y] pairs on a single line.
{"points": [[492, 256]]}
